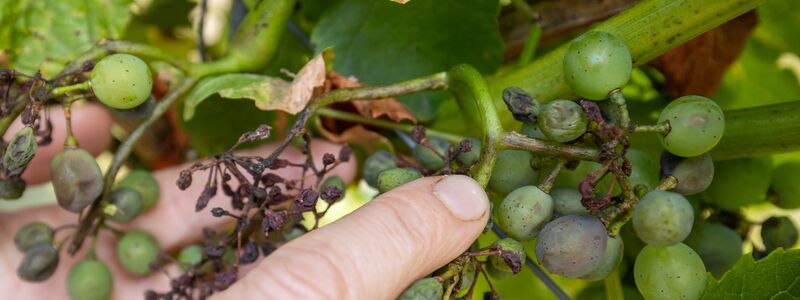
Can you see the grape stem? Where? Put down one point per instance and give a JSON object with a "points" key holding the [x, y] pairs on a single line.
{"points": [[668, 183], [547, 184], [62, 90], [514, 140], [537, 270], [661, 129], [624, 118]]}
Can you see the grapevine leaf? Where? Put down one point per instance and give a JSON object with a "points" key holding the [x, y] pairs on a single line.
{"points": [[382, 42], [776, 276], [264, 93], [231, 84]]}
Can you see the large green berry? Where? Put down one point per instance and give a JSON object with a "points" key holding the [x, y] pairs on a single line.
{"points": [[596, 63], [739, 182], [32, 234], [395, 177], [694, 174], [567, 201], [785, 185], [121, 81], [39, 263], [143, 182], [19, 152], [77, 179], [136, 250], [524, 211], [472, 156], [377, 163], [128, 203], [423, 289], [719, 246], [663, 218], [190, 255], [12, 188], [778, 232], [507, 245], [696, 125], [512, 170], [431, 158], [562, 121], [666, 273], [89, 280]]}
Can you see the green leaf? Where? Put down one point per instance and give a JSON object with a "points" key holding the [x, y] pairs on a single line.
{"points": [[381, 42], [46, 35], [260, 88], [776, 276]]}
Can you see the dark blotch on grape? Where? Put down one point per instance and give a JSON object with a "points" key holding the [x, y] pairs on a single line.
{"points": [[39, 263]]}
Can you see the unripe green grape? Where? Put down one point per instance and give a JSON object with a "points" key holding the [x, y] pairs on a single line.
{"points": [[423, 289], [567, 201], [694, 174], [663, 218], [39, 263], [524, 211], [778, 232], [472, 156], [375, 164], [19, 152], [696, 125], [572, 246], [392, 178], [121, 81], [12, 188], [190, 255], [89, 280], [507, 245], [431, 158], [596, 63], [136, 250], [128, 203], [77, 179], [334, 181], [32, 234], [672, 272], [785, 185], [610, 260], [562, 121], [739, 182], [719, 246], [512, 170], [143, 182]]}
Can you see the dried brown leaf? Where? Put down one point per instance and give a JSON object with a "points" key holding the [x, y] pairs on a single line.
{"points": [[374, 109], [306, 84]]}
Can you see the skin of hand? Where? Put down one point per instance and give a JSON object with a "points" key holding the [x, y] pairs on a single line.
{"points": [[373, 253]]}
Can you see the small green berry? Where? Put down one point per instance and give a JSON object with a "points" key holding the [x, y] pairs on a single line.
{"points": [[395, 177]]}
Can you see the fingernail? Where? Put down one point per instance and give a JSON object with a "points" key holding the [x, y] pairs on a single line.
{"points": [[463, 196]]}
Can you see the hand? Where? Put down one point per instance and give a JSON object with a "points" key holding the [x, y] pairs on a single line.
{"points": [[372, 253]]}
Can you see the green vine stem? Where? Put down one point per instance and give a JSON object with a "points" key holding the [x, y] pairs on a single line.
{"points": [[513, 140], [62, 90], [762, 130], [661, 129], [531, 44], [351, 117], [6, 121], [613, 285]]}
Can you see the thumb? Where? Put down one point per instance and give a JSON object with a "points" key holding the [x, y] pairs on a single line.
{"points": [[378, 250]]}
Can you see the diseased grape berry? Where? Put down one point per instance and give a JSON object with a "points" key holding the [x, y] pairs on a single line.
{"points": [[672, 272], [524, 211], [567, 201], [77, 180], [143, 182], [610, 260], [121, 81], [719, 246], [392, 178], [696, 125], [511, 246], [512, 170], [333, 181], [19, 152], [423, 289], [89, 279], [472, 156], [136, 250], [431, 158], [521, 105], [596, 63], [663, 218], [694, 174], [572, 246], [39, 263], [128, 203], [375, 164], [739, 182], [562, 121], [12, 188], [32, 234], [785, 185], [778, 232], [190, 256]]}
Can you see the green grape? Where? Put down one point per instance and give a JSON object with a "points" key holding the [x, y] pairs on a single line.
{"points": [[778, 232], [39, 263], [136, 250], [696, 125], [375, 164], [663, 218], [431, 159], [190, 255], [512, 170], [128, 203], [11, 188], [598, 292], [143, 182], [524, 211], [395, 177], [334, 181], [19, 152], [739, 182], [610, 260], [77, 179], [572, 246], [507, 245], [32, 234], [694, 174], [472, 156], [567, 201], [562, 121], [596, 63], [89, 280], [121, 81], [785, 185], [423, 289], [532, 130], [719, 246], [572, 178], [673, 272]]}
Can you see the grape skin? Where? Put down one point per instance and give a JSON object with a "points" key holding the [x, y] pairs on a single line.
{"points": [[597, 63], [121, 81], [739, 182], [719, 246], [567, 201], [427, 157], [572, 246], [524, 211], [778, 232], [696, 125], [511, 171], [663, 218], [694, 174], [673, 272], [611, 259], [785, 187], [89, 280], [562, 121], [136, 250], [507, 244]]}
